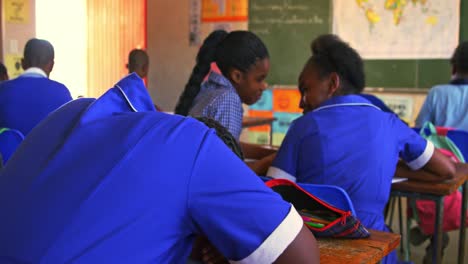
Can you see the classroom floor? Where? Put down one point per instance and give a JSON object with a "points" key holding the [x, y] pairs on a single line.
{"points": [[417, 253]]}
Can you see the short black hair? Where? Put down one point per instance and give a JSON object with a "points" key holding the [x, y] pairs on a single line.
{"points": [[330, 54], [137, 58], [237, 50], [38, 53], [3, 69], [224, 135], [459, 59]]}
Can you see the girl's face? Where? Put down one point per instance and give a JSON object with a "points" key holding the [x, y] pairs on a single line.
{"points": [[251, 84], [315, 89]]}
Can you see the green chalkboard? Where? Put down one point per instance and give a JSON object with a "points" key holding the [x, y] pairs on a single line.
{"points": [[287, 28], [288, 44]]}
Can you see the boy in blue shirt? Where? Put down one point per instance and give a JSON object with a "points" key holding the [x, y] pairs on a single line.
{"points": [[28, 99], [344, 140], [113, 181]]}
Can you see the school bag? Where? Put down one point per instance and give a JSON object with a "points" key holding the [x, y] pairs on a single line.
{"points": [[322, 218], [424, 210]]}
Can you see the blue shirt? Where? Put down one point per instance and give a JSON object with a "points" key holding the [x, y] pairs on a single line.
{"points": [[377, 102], [219, 100], [113, 181], [28, 99], [350, 143], [446, 105]]}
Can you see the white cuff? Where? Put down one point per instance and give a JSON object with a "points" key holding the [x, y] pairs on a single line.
{"points": [[423, 158], [278, 241], [278, 173]]}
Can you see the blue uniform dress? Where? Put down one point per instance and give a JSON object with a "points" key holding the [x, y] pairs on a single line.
{"points": [[28, 99], [9, 141], [113, 181], [350, 143], [446, 105], [219, 100]]}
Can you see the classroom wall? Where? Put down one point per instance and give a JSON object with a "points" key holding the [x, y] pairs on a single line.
{"points": [[171, 57], [15, 35]]}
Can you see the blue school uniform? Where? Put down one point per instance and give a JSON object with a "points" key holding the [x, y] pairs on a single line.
{"points": [[219, 100], [350, 143], [113, 181], [446, 105], [28, 99], [377, 102], [9, 141]]}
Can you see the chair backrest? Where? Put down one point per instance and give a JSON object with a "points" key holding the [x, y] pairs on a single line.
{"points": [[10, 139], [459, 137], [331, 194]]}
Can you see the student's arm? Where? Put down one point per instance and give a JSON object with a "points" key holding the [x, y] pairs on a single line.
{"points": [[245, 220], [260, 167], [421, 157]]}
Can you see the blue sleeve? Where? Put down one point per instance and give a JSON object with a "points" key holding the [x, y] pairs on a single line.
{"points": [[426, 112], [286, 161], [229, 204], [227, 110], [412, 148]]}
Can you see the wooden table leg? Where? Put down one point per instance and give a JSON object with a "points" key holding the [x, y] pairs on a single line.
{"points": [[437, 243], [461, 240]]}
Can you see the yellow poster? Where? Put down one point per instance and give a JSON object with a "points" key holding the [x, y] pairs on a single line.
{"points": [[13, 65], [224, 10], [16, 11]]}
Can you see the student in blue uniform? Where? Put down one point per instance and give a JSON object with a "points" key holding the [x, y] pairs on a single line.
{"points": [[9, 141], [244, 63], [447, 105], [113, 181], [28, 99], [344, 140]]}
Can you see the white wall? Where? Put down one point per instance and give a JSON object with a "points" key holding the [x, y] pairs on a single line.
{"points": [[64, 24], [171, 56]]}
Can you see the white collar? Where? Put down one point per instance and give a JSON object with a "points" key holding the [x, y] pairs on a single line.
{"points": [[35, 71], [345, 104]]}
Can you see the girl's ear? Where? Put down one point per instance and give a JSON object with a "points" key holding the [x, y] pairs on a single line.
{"points": [[334, 85], [235, 76]]}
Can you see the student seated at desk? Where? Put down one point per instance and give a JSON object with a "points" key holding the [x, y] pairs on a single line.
{"points": [[244, 63], [111, 180], [447, 105], [344, 140], [28, 99]]}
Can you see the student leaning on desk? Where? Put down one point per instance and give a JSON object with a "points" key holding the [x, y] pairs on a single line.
{"points": [[111, 180], [344, 140]]}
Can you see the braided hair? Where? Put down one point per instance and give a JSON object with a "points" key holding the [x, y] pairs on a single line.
{"points": [[237, 50], [224, 135]]}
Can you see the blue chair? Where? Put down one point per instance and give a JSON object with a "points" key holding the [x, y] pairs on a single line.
{"points": [[10, 139], [330, 194]]}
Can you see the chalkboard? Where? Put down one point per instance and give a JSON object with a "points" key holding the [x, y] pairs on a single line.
{"points": [[288, 26]]}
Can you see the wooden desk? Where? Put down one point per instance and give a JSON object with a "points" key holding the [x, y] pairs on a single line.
{"points": [[436, 193], [366, 250], [248, 121]]}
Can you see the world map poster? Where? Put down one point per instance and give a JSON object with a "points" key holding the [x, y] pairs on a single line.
{"points": [[398, 29]]}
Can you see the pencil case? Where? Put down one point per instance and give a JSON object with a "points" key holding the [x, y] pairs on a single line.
{"points": [[329, 221]]}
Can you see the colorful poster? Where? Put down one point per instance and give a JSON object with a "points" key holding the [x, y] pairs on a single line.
{"points": [[265, 103], [286, 100], [224, 10], [261, 138], [283, 121], [401, 105], [398, 29], [16, 11], [257, 113], [13, 65], [278, 139], [195, 38]]}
